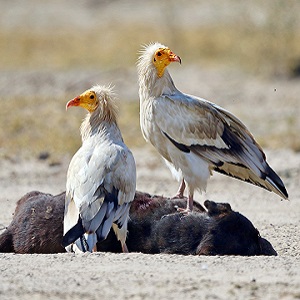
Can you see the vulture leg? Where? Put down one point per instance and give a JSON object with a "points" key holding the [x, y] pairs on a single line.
{"points": [[180, 191], [190, 204], [124, 248]]}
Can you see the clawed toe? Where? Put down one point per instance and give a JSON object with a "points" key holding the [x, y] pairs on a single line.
{"points": [[184, 211]]}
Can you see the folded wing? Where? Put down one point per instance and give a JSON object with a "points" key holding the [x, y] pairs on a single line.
{"points": [[99, 190], [196, 125]]}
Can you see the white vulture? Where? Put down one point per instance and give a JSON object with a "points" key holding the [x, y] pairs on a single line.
{"points": [[193, 135], [101, 178]]}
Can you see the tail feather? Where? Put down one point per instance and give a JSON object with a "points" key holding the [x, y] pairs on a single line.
{"points": [[103, 230], [73, 234], [86, 234], [276, 184], [91, 241], [268, 180]]}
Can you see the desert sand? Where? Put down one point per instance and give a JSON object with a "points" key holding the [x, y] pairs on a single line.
{"points": [[269, 106], [142, 276]]}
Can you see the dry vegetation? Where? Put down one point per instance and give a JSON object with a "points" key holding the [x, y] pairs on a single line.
{"points": [[238, 54], [38, 126], [270, 50], [263, 40]]}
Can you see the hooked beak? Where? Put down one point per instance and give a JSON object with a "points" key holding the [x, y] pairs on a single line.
{"points": [[174, 58], [73, 102]]}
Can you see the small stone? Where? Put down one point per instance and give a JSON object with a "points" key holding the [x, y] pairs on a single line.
{"points": [[44, 155]]}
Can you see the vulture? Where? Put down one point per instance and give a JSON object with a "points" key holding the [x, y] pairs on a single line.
{"points": [[193, 135], [101, 178]]}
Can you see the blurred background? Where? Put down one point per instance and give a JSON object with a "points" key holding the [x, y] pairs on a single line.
{"points": [[243, 55]]}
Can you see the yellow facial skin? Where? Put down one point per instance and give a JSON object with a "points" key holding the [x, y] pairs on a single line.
{"points": [[162, 58], [87, 100]]}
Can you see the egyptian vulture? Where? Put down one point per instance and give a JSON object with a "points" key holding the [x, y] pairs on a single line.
{"points": [[193, 135], [101, 178]]}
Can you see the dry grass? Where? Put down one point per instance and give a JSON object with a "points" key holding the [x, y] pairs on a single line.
{"points": [[269, 49], [68, 49], [265, 51], [43, 125]]}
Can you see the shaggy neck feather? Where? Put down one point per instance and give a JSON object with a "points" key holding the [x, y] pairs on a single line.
{"points": [[102, 120], [150, 85]]}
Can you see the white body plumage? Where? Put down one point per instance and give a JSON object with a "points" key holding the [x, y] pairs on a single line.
{"points": [[101, 179], [193, 135]]}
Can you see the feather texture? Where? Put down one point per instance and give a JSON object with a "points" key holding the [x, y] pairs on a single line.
{"points": [[101, 178], [196, 136]]}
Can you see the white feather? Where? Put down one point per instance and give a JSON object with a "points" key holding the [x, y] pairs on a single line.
{"points": [[102, 166], [196, 136]]}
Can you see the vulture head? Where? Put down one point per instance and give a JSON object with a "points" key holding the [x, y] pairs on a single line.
{"points": [[159, 56], [99, 100]]}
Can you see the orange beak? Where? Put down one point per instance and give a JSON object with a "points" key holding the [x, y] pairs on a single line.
{"points": [[73, 102]]}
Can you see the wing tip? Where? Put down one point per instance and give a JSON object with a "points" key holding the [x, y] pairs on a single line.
{"points": [[73, 234], [276, 184], [280, 190], [269, 180]]}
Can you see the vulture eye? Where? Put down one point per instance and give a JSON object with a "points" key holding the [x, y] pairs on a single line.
{"points": [[158, 53], [92, 97]]}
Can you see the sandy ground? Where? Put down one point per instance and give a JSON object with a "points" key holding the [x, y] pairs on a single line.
{"points": [[264, 105], [140, 276]]}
